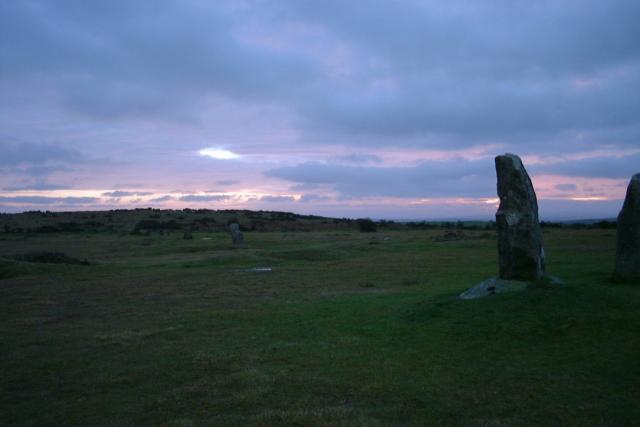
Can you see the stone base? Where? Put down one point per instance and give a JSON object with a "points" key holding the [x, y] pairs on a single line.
{"points": [[494, 286]]}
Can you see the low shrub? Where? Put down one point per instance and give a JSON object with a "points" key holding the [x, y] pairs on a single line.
{"points": [[50, 258], [366, 225]]}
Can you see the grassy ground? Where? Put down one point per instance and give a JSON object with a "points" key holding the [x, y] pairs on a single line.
{"points": [[347, 329]]}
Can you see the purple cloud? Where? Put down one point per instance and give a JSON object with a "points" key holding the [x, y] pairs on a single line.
{"points": [[276, 199], [566, 187], [428, 179], [119, 193], [42, 200], [203, 198]]}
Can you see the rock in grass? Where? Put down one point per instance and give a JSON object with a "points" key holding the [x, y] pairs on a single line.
{"points": [[628, 234], [236, 235], [553, 280], [493, 286], [520, 251], [50, 258]]}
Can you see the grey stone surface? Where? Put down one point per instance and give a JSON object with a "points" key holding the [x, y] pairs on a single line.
{"points": [[628, 234], [259, 269], [520, 251], [236, 235], [493, 286]]}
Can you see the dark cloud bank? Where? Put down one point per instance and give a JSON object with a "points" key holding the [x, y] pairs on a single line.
{"points": [[459, 73]]}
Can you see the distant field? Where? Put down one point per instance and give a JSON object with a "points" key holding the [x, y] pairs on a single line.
{"points": [[348, 328]]}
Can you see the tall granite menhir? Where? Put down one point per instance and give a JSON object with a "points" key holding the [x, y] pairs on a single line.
{"points": [[628, 234], [519, 236]]}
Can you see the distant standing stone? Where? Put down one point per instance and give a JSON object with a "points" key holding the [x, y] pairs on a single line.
{"points": [[236, 234], [187, 233], [628, 234], [519, 235]]}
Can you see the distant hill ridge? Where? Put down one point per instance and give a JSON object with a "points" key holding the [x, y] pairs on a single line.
{"points": [[148, 220]]}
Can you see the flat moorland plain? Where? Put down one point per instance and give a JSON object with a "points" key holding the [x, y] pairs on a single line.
{"points": [[348, 328]]}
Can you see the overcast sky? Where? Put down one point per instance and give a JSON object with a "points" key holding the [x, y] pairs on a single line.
{"points": [[387, 109]]}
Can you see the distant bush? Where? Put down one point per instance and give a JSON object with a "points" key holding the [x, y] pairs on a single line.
{"points": [[607, 225], [257, 225], [284, 216], [46, 229], [600, 225], [153, 225], [50, 258], [491, 225], [366, 225], [548, 224], [422, 225], [205, 224], [386, 224]]}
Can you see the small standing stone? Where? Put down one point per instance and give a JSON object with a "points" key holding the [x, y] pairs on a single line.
{"points": [[519, 235], [188, 233], [236, 234], [628, 234]]}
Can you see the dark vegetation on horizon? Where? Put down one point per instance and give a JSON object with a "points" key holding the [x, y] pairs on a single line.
{"points": [[149, 220]]}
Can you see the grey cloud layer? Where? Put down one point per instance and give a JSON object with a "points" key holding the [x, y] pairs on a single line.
{"points": [[464, 71], [36, 154], [119, 193], [137, 58], [36, 186], [42, 200], [203, 198], [277, 199], [600, 167], [453, 178], [428, 179], [486, 68]]}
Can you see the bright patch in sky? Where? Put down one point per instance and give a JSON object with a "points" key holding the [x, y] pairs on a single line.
{"points": [[218, 153], [491, 201], [587, 199]]}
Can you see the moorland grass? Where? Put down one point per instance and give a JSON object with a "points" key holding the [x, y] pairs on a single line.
{"points": [[347, 329]]}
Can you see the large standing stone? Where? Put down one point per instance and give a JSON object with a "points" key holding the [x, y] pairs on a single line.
{"points": [[628, 234], [519, 236], [236, 234]]}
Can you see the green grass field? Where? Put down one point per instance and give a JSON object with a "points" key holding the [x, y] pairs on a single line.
{"points": [[347, 329]]}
